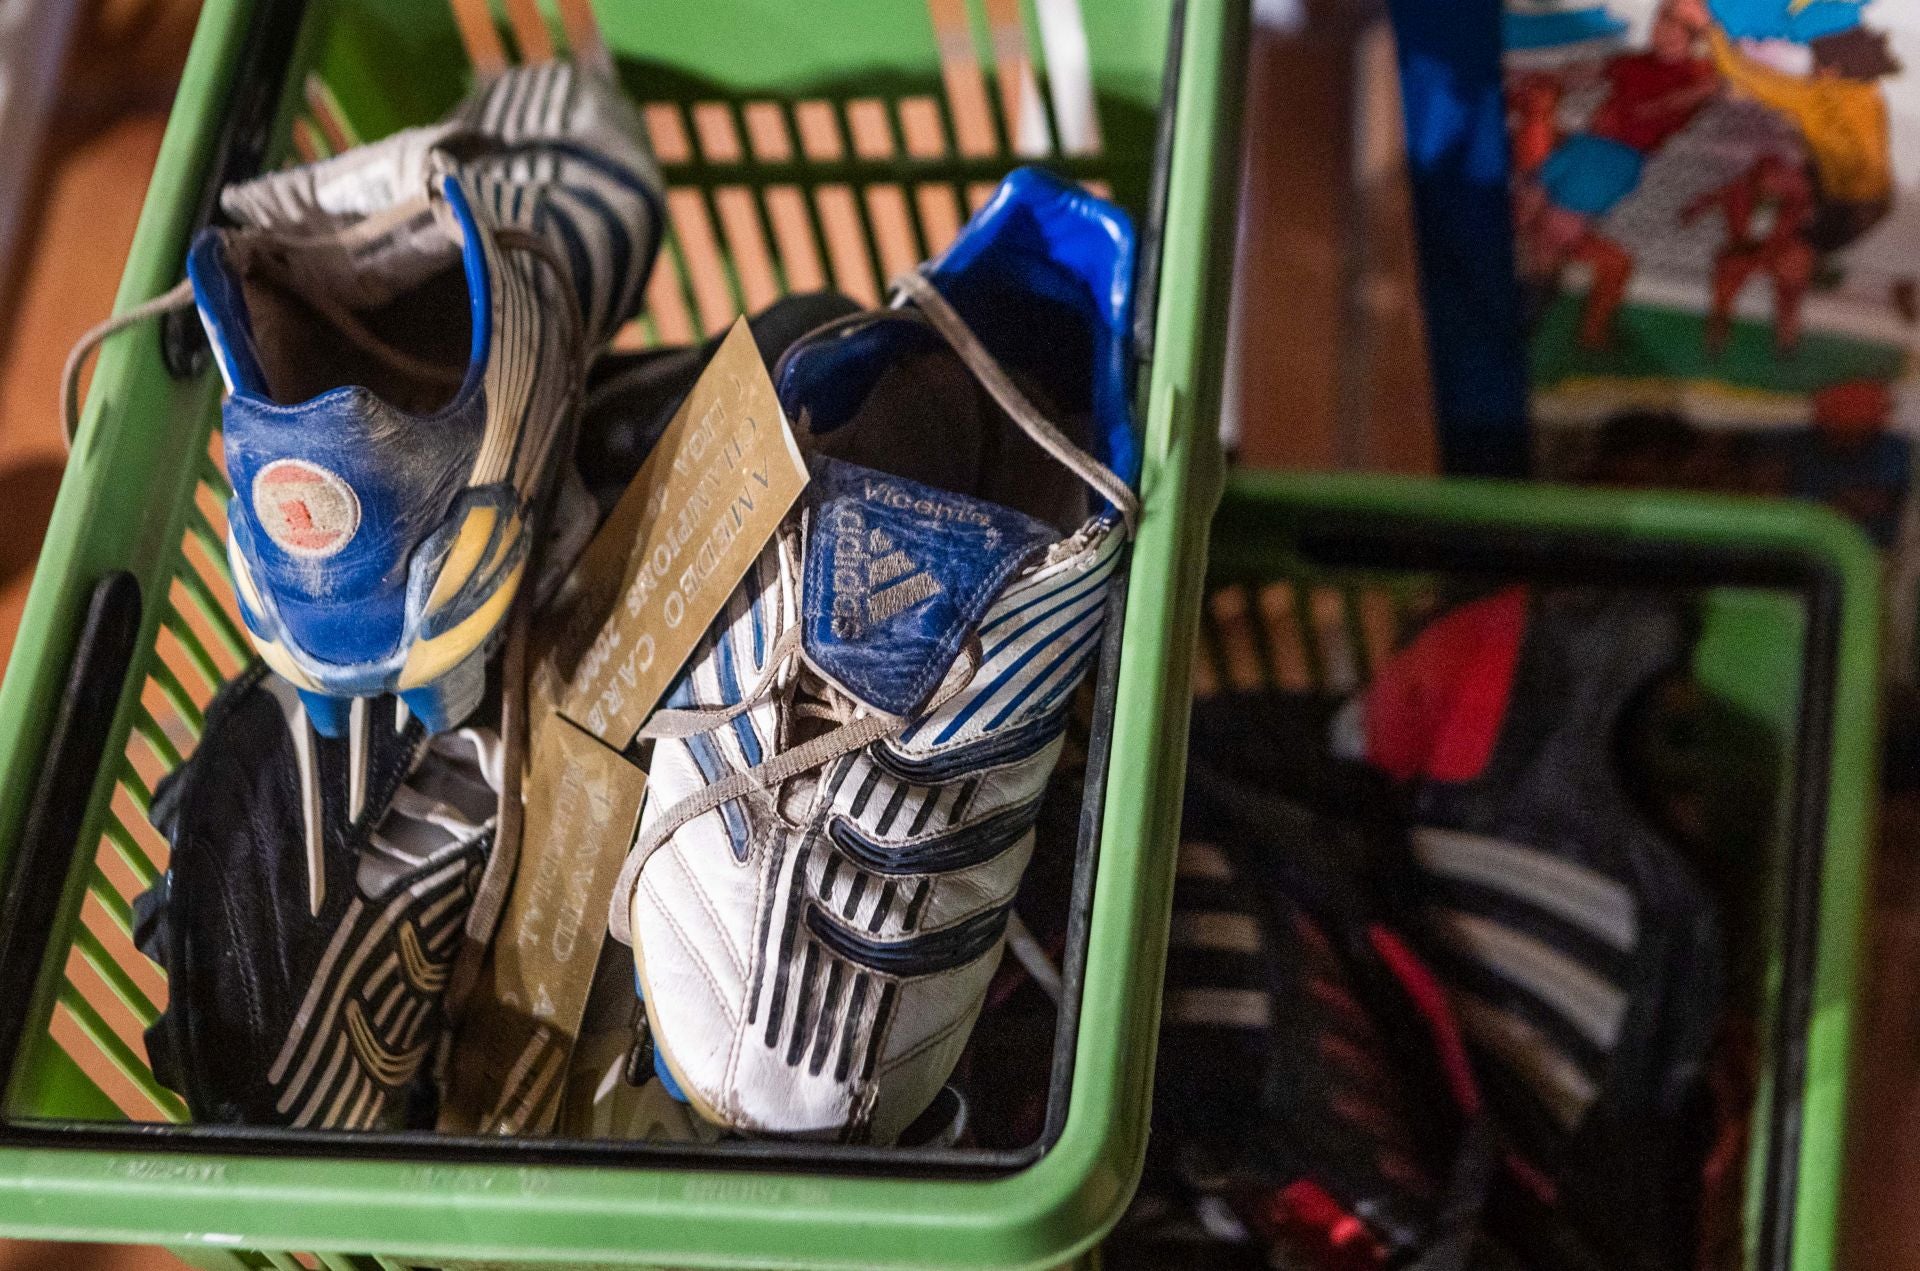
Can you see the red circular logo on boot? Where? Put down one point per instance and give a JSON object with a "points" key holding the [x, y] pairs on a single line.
{"points": [[308, 511]]}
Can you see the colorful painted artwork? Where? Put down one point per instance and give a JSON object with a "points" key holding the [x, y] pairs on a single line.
{"points": [[1717, 219]]}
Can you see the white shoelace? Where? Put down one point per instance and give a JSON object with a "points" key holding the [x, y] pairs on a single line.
{"points": [[179, 298], [175, 298], [857, 727], [1000, 386]]}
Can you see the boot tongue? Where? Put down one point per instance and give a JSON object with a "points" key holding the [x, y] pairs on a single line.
{"points": [[898, 575]]}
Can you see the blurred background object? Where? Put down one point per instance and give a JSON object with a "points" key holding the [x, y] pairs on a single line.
{"points": [[1326, 365], [76, 150], [33, 46]]}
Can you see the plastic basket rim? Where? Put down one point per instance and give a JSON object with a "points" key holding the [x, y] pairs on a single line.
{"points": [[1050, 1209]]}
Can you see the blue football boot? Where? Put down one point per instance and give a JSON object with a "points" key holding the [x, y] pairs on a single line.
{"points": [[404, 332]]}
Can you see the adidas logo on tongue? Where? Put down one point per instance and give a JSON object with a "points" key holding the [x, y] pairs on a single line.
{"points": [[890, 563], [898, 576], [873, 578]]}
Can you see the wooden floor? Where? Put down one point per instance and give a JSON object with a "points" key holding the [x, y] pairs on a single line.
{"points": [[1300, 368]]}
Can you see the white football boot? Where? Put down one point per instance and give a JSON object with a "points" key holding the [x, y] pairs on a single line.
{"points": [[845, 778]]}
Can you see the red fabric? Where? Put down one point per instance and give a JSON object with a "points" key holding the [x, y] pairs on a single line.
{"points": [[1529, 1176], [1431, 1001], [1532, 105], [1732, 1078], [1307, 1221], [1652, 99], [1853, 408], [1435, 709]]}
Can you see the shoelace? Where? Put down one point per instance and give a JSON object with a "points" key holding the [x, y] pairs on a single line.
{"points": [[179, 298], [172, 300], [993, 377], [482, 753], [856, 726], [496, 877], [855, 729]]}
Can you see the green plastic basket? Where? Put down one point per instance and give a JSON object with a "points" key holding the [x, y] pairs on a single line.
{"points": [[1313, 580], [804, 145]]}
